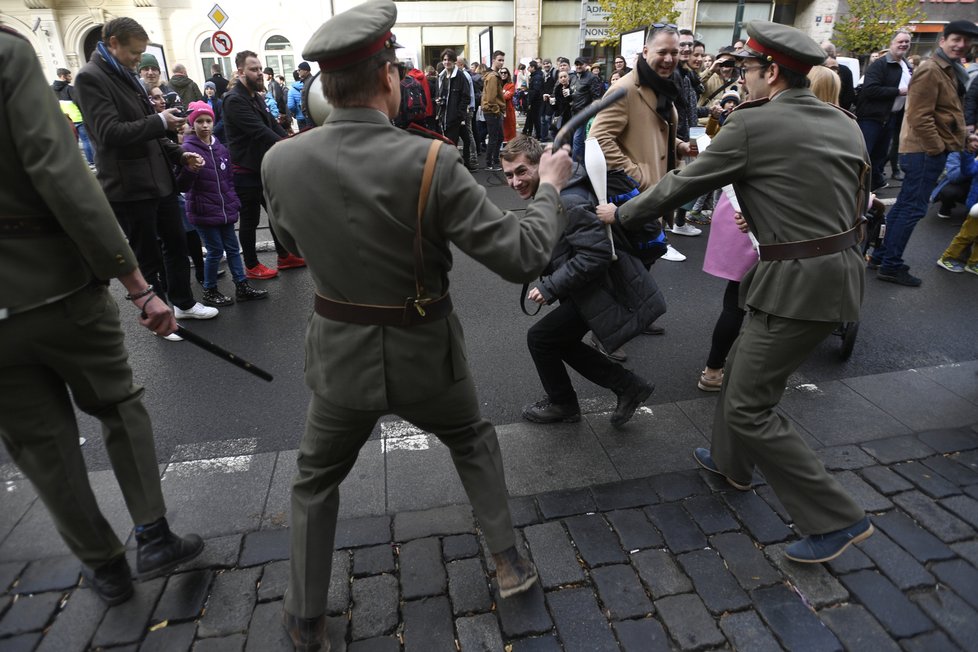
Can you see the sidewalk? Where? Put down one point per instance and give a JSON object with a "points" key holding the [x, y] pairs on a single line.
{"points": [[637, 549]]}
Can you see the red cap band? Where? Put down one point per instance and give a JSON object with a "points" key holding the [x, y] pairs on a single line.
{"points": [[355, 56], [779, 58]]}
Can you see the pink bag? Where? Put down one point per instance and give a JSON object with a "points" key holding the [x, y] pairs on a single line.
{"points": [[729, 253]]}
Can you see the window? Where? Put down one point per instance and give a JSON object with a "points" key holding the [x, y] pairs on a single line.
{"points": [[278, 56], [208, 58]]}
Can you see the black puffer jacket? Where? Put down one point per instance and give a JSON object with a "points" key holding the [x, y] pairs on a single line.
{"points": [[617, 299], [880, 88]]}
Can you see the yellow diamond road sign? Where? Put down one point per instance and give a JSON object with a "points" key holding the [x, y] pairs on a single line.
{"points": [[217, 16]]}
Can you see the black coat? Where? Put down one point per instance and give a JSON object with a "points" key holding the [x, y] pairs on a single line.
{"points": [[534, 88], [455, 96], [847, 91], [587, 88], [132, 153], [220, 84], [881, 86], [250, 128], [971, 103]]}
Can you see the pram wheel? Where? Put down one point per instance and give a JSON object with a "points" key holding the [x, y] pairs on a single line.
{"points": [[847, 332]]}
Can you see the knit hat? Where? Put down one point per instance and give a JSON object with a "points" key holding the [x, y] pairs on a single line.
{"points": [[211, 85], [198, 109], [730, 95], [148, 61]]}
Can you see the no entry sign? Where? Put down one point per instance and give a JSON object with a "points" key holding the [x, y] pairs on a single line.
{"points": [[221, 42]]}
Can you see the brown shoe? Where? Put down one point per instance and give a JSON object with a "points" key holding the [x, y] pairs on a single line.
{"points": [[709, 382], [307, 634], [514, 572]]}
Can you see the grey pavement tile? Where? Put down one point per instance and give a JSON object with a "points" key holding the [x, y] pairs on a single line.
{"points": [[537, 644], [857, 629], [438, 521], [422, 570], [231, 602], [566, 502], [479, 633], [524, 614], [891, 608], [959, 377], [967, 550], [621, 592], [196, 494], [658, 440], [898, 449], [964, 507], [852, 560], [75, 624], [459, 546], [18, 496], [864, 495], [746, 632], [771, 498], [688, 622], [266, 633], [219, 552], [681, 484], [581, 625], [836, 414], [915, 400], [700, 411], [274, 581], [127, 622], [54, 574], [920, 543], [595, 540], [553, 554], [948, 467], [895, 562], [885, 479], [961, 577], [713, 582], [634, 529], [374, 560], [363, 531], [184, 596], [933, 517], [375, 606], [950, 440], [926, 479], [844, 458], [263, 546], [645, 635], [523, 510], [757, 516], [338, 599], [660, 573], [171, 638], [711, 514], [10, 571], [623, 494], [468, 587], [936, 641], [815, 584], [232, 643], [278, 509], [428, 625], [23, 643], [744, 560], [792, 620], [552, 457], [379, 644], [29, 613], [954, 616], [677, 527]]}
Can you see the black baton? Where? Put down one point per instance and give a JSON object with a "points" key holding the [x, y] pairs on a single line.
{"points": [[567, 131], [224, 354]]}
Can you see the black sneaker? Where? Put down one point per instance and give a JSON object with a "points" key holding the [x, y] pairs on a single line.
{"points": [[112, 581], [160, 551], [900, 277], [244, 292], [543, 411], [637, 392], [213, 297]]}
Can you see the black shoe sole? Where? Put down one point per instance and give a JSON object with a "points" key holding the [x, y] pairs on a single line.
{"points": [[258, 298], [574, 418], [898, 280]]}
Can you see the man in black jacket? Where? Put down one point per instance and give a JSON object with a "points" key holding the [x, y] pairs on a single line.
{"points": [[578, 276], [251, 131], [546, 109], [882, 98], [534, 100], [453, 96], [585, 88], [220, 83]]}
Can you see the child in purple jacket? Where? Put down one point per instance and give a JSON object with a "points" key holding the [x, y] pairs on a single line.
{"points": [[212, 207]]}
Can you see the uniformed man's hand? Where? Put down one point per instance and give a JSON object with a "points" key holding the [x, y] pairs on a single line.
{"points": [[158, 317], [741, 223], [192, 161], [606, 213], [173, 121], [555, 167]]}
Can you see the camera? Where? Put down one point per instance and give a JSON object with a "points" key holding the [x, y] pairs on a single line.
{"points": [[173, 102], [728, 63]]}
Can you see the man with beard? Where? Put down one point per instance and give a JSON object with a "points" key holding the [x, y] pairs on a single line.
{"points": [[251, 131]]}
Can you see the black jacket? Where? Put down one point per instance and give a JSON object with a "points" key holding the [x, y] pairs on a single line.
{"points": [[847, 90], [881, 86], [454, 94], [220, 84], [250, 129], [586, 88], [534, 88], [971, 103], [133, 156]]}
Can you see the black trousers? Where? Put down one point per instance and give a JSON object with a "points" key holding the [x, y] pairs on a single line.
{"points": [[252, 199], [556, 339], [727, 327], [533, 120]]}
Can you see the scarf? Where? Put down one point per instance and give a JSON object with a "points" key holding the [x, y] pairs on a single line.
{"points": [[666, 93], [959, 71], [126, 74]]}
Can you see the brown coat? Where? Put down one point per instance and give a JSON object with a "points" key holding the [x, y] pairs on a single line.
{"points": [[492, 94], [633, 137], [934, 119]]}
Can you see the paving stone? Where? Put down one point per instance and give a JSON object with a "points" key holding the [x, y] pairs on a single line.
{"points": [[266, 633], [428, 625], [897, 449], [895, 612], [274, 581], [688, 621], [580, 624], [263, 546], [23, 643], [364, 531], [558, 504], [968, 550], [676, 526], [864, 495], [595, 540], [937, 520], [468, 587], [379, 644], [757, 516], [75, 624], [844, 458], [885, 479], [972, 491], [524, 614], [767, 494], [936, 641], [960, 576], [644, 635], [623, 494], [459, 546], [375, 601], [920, 543], [955, 617], [373, 560], [671, 487], [9, 572], [338, 600], [634, 529], [660, 573], [710, 514], [926, 479], [537, 644], [852, 560], [231, 602], [523, 510], [895, 562], [127, 622], [52, 574], [812, 581], [857, 629], [746, 632], [232, 643], [479, 633], [172, 638], [553, 555], [949, 468], [744, 560], [949, 440], [440, 521], [713, 582], [29, 613], [621, 592], [219, 552], [969, 459], [792, 620]]}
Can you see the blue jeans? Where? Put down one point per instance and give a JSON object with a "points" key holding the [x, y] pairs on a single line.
{"points": [[578, 148], [494, 124], [221, 240], [877, 136], [86, 143], [922, 172]]}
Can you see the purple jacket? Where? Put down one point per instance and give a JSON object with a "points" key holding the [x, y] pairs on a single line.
{"points": [[211, 200]]}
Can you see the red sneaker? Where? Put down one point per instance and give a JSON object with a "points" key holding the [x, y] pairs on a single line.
{"points": [[291, 262], [260, 272]]}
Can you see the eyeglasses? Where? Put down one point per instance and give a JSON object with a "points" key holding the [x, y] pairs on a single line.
{"points": [[743, 70], [664, 26]]}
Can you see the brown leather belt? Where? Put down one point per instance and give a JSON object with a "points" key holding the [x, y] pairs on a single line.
{"points": [[831, 244], [28, 227], [412, 313]]}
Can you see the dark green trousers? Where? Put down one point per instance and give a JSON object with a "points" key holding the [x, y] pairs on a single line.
{"points": [[747, 432], [76, 344], [329, 449]]}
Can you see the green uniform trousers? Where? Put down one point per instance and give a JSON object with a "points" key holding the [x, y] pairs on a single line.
{"points": [[329, 448], [77, 344], [747, 431]]}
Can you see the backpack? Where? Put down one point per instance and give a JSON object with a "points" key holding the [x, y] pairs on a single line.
{"points": [[413, 103]]}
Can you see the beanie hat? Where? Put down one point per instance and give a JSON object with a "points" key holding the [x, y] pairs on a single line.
{"points": [[148, 61], [198, 109], [730, 95], [211, 85]]}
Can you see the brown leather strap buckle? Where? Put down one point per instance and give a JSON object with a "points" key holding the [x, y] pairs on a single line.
{"points": [[414, 312], [815, 247]]}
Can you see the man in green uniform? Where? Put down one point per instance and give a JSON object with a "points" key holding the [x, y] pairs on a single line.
{"points": [[59, 330], [803, 209], [384, 338]]}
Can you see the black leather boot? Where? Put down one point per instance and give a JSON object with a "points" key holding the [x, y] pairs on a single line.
{"points": [[307, 634], [636, 392], [543, 411], [244, 292], [112, 581], [160, 551]]}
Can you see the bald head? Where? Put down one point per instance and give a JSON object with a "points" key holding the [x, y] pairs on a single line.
{"points": [[829, 48], [179, 69]]}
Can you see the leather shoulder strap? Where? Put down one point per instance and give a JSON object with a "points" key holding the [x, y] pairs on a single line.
{"points": [[429, 173]]}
